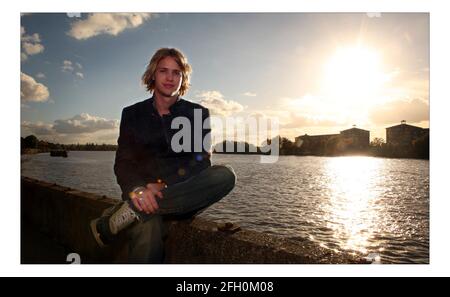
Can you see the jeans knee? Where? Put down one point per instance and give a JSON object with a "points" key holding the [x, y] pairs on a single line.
{"points": [[227, 175]]}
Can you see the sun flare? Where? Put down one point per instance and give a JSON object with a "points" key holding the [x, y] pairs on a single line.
{"points": [[354, 74]]}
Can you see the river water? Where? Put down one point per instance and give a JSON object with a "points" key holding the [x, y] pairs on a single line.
{"points": [[363, 204]]}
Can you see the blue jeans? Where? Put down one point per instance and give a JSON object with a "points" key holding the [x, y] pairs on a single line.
{"points": [[181, 200]]}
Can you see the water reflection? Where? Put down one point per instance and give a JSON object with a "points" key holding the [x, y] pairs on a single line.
{"points": [[352, 210]]}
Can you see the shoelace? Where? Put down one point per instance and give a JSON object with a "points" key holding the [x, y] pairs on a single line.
{"points": [[123, 218]]}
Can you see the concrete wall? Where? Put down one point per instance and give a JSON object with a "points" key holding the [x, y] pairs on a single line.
{"points": [[63, 214]]}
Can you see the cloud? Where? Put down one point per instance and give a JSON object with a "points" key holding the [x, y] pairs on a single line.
{"points": [[32, 48], [312, 110], [258, 115], [249, 94], [31, 44], [32, 91], [38, 128], [217, 105], [412, 111], [409, 87], [40, 75], [103, 136], [67, 66], [291, 120], [81, 128], [84, 123], [70, 67], [300, 121], [106, 23], [74, 14]]}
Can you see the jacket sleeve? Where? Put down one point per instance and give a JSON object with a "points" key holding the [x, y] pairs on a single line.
{"points": [[125, 165]]}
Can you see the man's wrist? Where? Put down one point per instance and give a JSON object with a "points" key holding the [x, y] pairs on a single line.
{"points": [[136, 191]]}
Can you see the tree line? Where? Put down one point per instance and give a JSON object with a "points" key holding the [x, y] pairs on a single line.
{"points": [[31, 142], [333, 146]]}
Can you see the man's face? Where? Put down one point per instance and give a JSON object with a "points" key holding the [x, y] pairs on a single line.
{"points": [[168, 77]]}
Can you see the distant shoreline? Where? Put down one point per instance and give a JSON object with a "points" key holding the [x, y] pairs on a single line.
{"points": [[313, 155], [39, 151]]}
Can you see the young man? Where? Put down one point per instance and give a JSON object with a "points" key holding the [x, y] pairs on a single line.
{"points": [[156, 177]]}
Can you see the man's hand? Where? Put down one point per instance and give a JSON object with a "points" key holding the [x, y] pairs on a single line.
{"points": [[146, 202], [156, 187]]}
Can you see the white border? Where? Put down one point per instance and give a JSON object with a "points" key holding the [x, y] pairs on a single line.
{"points": [[9, 219]]}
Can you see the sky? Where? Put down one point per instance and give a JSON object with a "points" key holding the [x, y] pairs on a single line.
{"points": [[317, 73]]}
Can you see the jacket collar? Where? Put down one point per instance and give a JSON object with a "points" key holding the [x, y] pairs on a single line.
{"points": [[150, 106], [173, 108]]}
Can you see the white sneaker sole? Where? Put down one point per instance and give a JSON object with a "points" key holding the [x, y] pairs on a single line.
{"points": [[95, 233]]}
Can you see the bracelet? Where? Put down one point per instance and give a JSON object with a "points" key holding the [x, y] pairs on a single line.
{"points": [[136, 192]]}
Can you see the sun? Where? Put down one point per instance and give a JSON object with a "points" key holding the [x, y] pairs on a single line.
{"points": [[354, 74]]}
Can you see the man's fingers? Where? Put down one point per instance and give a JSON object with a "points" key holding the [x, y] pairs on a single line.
{"points": [[147, 202], [159, 194], [136, 204], [147, 206], [152, 201]]}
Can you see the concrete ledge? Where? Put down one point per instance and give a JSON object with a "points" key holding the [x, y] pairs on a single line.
{"points": [[63, 214]]}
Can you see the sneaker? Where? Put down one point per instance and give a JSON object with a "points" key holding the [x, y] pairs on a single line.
{"points": [[113, 220]]}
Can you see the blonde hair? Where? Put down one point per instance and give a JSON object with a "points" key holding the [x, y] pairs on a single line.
{"points": [[180, 58]]}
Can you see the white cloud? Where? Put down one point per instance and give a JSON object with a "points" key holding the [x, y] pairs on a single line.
{"points": [[84, 123], [32, 48], [38, 128], [217, 105], [249, 94], [106, 23], [81, 128], [301, 121], [32, 91], [67, 66], [288, 119], [40, 75], [74, 14], [325, 111], [70, 67], [31, 44]]}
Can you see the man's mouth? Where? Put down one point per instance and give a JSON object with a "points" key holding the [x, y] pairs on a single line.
{"points": [[168, 85]]}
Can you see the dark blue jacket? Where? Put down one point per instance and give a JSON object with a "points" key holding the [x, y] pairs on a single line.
{"points": [[144, 152]]}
